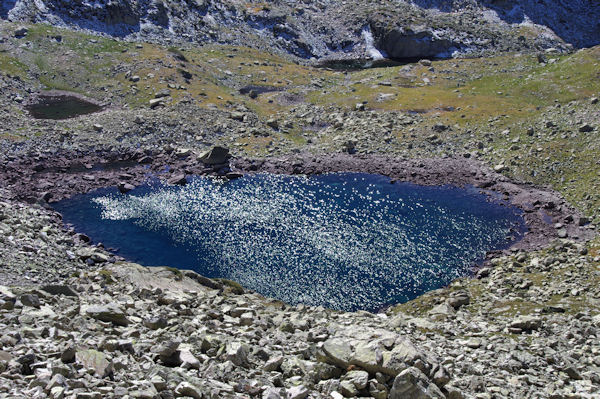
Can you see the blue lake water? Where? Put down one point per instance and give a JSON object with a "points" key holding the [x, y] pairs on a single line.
{"points": [[345, 241]]}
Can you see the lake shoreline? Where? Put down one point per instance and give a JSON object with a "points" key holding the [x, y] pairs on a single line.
{"points": [[38, 179]]}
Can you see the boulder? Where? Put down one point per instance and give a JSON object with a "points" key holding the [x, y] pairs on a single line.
{"points": [[125, 187], [413, 384], [237, 353], [187, 389], [92, 359], [178, 179], [21, 32], [215, 156], [59, 290], [412, 43], [338, 352], [31, 300], [109, 313], [526, 323], [403, 355]]}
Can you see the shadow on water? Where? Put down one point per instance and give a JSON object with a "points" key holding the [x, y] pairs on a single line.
{"points": [[61, 106]]}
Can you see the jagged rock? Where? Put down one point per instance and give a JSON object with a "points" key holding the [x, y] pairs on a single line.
{"points": [[297, 392], [155, 323], [358, 378], [526, 323], [404, 354], [92, 359], [125, 187], [413, 43], [188, 360], [157, 102], [59, 290], [338, 352], [178, 179], [214, 156], [187, 389], [237, 353], [31, 300], [110, 313], [413, 384]]}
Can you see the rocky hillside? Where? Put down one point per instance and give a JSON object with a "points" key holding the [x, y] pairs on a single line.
{"points": [[332, 28], [91, 326], [78, 322]]}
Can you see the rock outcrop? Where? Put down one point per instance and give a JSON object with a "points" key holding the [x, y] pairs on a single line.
{"points": [[332, 29]]}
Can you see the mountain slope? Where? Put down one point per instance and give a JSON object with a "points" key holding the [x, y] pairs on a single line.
{"points": [[332, 28]]}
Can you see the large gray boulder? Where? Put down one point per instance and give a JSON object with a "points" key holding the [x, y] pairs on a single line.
{"points": [[408, 43], [413, 384], [109, 313], [215, 156]]}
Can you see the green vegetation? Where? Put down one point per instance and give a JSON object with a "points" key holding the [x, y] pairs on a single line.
{"points": [[499, 108]]}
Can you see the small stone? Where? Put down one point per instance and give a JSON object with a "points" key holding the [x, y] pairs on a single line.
{"points": [[562, 233]]}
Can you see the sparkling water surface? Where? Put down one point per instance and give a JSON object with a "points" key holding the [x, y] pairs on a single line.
{"points": [[346, 241]]}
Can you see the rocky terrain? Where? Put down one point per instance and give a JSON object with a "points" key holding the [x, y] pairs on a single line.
{"points": [[77, 321], [94, 326], [332, 29]]}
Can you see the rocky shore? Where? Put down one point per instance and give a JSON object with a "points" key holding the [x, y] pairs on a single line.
{"points": [[547, 215], [79, 322], [84, 324]]}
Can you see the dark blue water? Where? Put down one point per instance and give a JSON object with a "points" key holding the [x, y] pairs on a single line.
{"points": [[345, 241]]}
